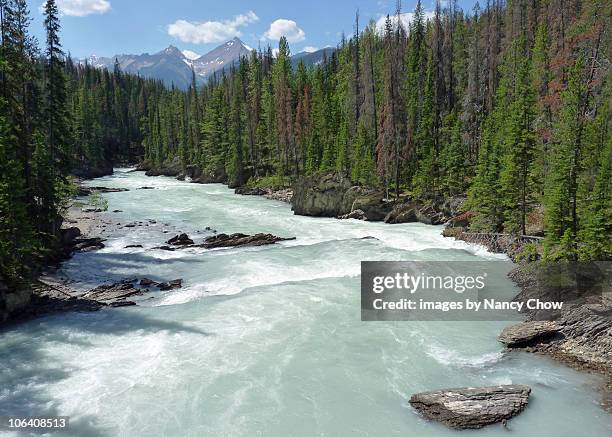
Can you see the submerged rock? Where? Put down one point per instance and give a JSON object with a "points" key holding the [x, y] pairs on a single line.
{"points": [[238, 240], [463, 408], [529, 333]]}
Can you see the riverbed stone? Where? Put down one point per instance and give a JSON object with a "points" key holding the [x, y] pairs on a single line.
{"points": [[470, 407]]}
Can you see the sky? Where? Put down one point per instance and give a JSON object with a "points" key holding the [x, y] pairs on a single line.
{"points": [[110, 27]]}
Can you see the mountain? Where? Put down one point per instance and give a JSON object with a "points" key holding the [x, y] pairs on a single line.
{"points": [[310, 59], [173, 66], [221, 57]]}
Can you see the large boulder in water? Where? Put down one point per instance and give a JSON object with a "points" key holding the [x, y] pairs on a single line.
{"points": [[468, 407], [180, 240], [238, 240]]}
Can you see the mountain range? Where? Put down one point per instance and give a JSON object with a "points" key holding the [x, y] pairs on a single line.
{"points": [[173, 66]]}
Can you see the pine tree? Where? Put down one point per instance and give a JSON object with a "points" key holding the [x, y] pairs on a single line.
{"points": [[517, 178], [234, 166], [561, 189], [52, 158]]}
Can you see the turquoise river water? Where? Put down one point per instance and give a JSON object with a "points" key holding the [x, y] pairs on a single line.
{"points": [[265, 341]]}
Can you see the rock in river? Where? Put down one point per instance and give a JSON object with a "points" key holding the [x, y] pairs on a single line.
{"points": [[462, 408], [180, 240], [236, 240], [170, 285], [88, 244]]}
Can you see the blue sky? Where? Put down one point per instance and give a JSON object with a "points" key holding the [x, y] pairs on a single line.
{"points": [[109, 27]]}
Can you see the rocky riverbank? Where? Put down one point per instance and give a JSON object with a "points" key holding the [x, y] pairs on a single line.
{"points": [[579, 334], [334, 195]]}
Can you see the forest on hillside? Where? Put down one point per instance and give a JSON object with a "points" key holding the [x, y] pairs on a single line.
{"points": [[507, 103]]}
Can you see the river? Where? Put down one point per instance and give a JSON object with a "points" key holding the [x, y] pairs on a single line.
{"points": [[265, 341]]}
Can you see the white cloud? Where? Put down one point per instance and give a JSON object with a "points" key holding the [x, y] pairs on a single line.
{"points": [[406, 18], [310, 49], [286, 28], [190, 55], [81, 8], [210, 31]]}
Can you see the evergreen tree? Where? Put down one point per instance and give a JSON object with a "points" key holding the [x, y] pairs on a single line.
{"points": [[561, 189]]}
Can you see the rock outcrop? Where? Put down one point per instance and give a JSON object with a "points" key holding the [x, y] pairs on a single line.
{"points": [[463, 408], [86, 170], [374, 208], [529, 333], [209, 175], [333, 195], [328, 195], [402, 213], [580, 333], [52, 297], [172, 168]]}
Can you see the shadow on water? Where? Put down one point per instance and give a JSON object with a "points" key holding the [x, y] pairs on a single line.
{"points": [[26, 369], [106, 267]]}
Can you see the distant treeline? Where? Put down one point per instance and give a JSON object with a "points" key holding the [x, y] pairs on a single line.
{"points": [[508, 104]]}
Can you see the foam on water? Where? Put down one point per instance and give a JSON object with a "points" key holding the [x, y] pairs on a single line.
{"points": [[267, 340]]}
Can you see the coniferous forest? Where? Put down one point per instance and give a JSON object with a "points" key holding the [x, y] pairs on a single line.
{"points": [[508, 103]]}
